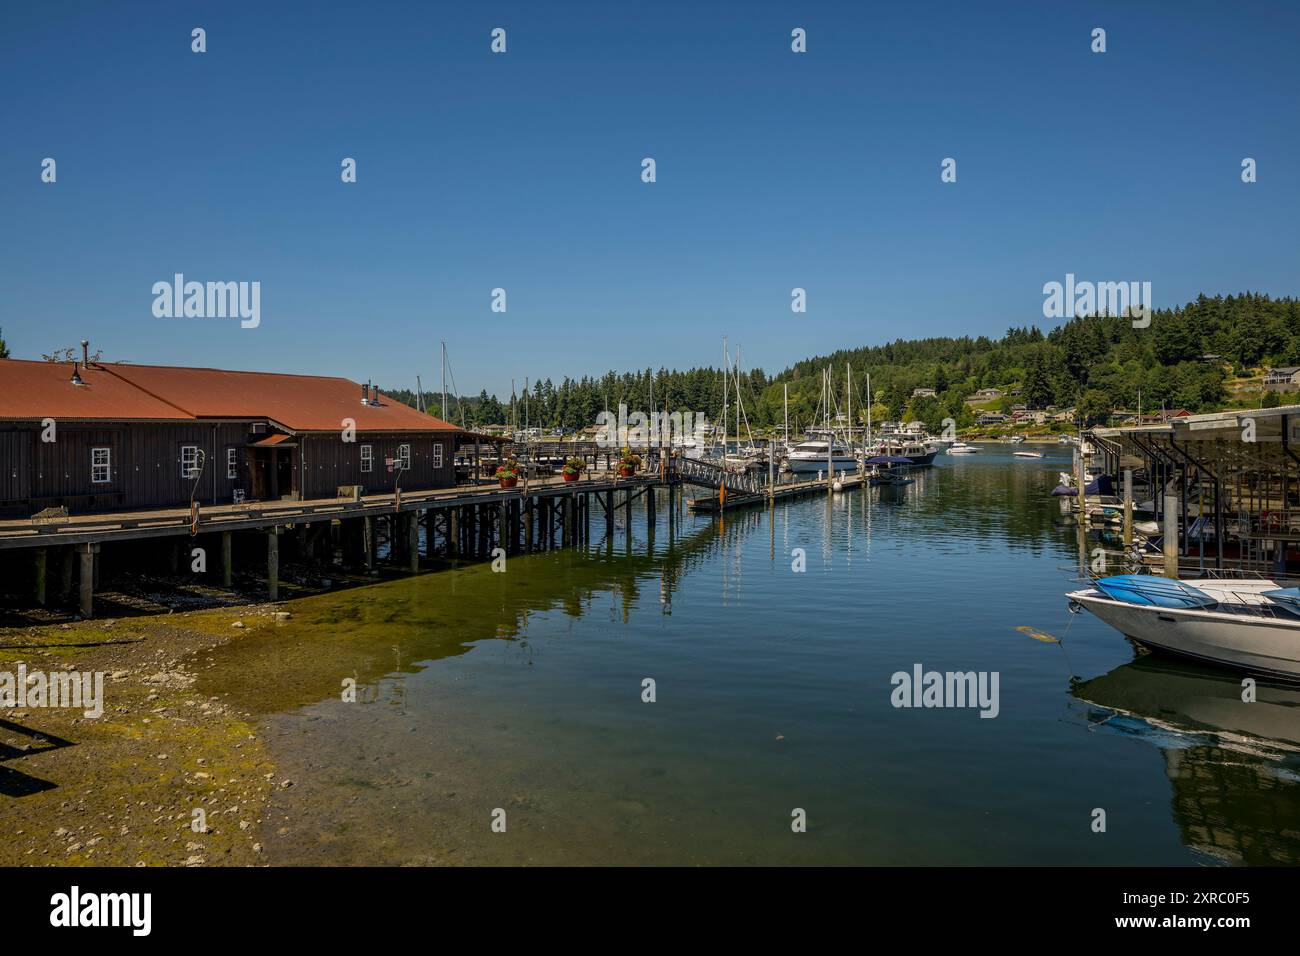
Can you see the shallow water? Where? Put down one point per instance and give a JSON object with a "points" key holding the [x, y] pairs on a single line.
{"points": [[522, 691]]}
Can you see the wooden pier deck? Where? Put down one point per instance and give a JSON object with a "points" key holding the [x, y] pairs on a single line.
{"points": [[789, 490], [103, 527]]}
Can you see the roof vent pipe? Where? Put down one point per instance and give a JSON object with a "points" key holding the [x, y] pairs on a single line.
{"points": [[85, 353], [76, 376], [365, 394]]}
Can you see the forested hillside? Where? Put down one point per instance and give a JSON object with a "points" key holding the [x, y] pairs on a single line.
{"points": [[1098, 363]]}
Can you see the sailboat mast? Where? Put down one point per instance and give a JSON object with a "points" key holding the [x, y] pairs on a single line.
{"points": [[726, 390], [737, 398], [786, 389], [444, 381], [869, 403]]}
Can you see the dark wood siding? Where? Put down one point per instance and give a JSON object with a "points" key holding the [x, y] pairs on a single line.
{"points": [[329, 462], [145, 466], [16, 464]]}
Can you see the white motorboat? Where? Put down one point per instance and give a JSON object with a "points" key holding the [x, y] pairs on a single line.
{"points": [[811, 455], [1248, 624], [1027, 454], [1017, 439], [961, 448]]}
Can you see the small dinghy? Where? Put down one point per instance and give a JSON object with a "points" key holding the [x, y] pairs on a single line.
{"points": [[1152, 591]]}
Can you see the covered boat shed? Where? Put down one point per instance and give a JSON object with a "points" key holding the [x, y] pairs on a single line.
{"points": [[1234, 479]]}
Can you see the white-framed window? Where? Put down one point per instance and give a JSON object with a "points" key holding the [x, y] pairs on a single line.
{"points": [[232, 462], [404, 457], [189, 461], [367, 459], [437, 454], [101, 465]]}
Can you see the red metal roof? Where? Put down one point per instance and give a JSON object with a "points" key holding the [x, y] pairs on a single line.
{"points": [[38, 390], [298, 403]]}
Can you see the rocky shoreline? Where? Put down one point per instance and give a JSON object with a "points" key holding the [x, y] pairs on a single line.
{"points": [[165, 776]]}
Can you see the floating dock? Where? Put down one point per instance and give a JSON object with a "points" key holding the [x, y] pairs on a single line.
{"points": [[794, 489]]}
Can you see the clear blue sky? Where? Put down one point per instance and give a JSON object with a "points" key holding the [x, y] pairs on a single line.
{"points": [[522, 170]]}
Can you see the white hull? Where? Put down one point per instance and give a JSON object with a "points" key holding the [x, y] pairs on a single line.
{"points": [[806, 465], [1266, 645]]}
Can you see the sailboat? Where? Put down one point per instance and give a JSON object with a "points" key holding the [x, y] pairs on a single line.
{"points": [[822, 448]]}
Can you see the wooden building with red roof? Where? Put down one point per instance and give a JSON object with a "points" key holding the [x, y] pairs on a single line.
{"points": [[93, 436]]}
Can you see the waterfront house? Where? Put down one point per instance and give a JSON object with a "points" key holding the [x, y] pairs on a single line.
{"points": [[91, 436], [1284, 379], [923, 393]]}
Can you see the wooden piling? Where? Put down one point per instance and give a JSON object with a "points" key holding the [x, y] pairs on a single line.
{"points": [[40, 576], [87, 579], [273, 562], [413, 541], [1128, 507], [1080, 476], [368, 542], [227, 557], [65, 583], [1171, 536]]}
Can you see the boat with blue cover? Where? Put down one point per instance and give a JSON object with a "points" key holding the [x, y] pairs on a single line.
{"points": [[1247, 624], [1154, 591]]}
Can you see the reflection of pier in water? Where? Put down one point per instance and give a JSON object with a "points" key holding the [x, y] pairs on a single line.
{"points": [[378, 633], [1234, 766]]}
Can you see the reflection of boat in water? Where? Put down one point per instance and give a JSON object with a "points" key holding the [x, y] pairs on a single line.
{"points": [[1249, 624], [1233, 766], [889, 470]]}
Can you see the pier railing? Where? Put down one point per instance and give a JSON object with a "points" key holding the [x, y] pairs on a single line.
{"points": [[697, 471]]}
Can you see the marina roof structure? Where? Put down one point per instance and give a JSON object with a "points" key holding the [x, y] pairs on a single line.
{"points": [[33, 391]]}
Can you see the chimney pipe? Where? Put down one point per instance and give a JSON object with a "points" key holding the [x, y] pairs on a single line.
{"points": [[76, 377], [85, 353], [374, 395], [365, 394]]}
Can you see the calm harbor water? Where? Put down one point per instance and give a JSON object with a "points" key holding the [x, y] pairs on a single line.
{"points": [[523, 691]]}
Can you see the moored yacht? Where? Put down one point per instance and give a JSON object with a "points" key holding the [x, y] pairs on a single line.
{"points": [[920, 451], [811, 454]]}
